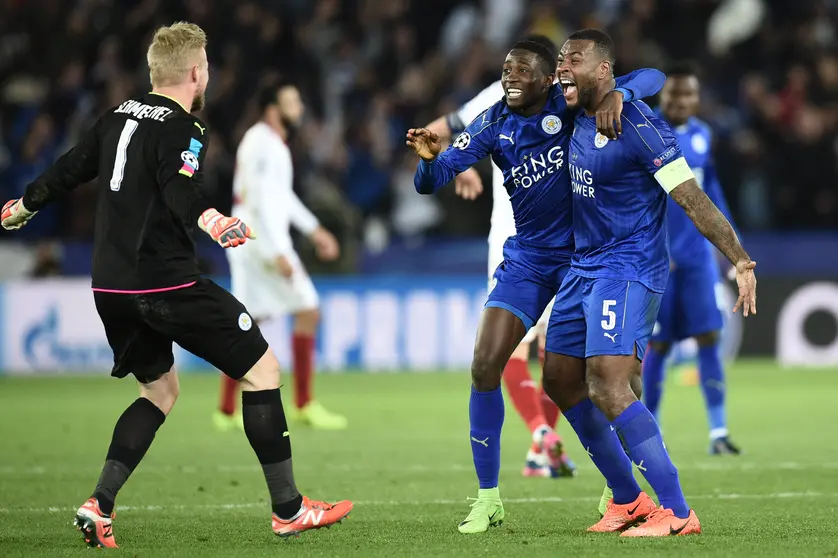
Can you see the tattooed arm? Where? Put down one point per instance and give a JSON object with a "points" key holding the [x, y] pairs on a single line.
{"points": [[709, 220], [716, 228], [659, 154]]}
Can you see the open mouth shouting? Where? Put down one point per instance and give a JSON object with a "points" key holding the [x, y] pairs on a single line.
{"points": [[570, 90]]}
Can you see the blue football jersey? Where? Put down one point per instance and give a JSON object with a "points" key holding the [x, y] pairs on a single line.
{"points": [[619, 209], [687, 246], [532, 154]]}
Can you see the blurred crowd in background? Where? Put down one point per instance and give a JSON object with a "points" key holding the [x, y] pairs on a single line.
{"points": [[370, 69]]}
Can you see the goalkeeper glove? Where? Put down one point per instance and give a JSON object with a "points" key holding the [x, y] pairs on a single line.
{"points": [[15, 215], [229, 232]]}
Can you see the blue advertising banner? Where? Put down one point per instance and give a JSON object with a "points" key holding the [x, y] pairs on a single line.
{"points": [[378, 323], [375, 324]]}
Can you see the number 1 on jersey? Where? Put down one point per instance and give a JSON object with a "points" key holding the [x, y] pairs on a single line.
{"points": [[122, 154]]}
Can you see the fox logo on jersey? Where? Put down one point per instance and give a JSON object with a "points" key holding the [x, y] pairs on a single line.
{"points": [[551, 124], [245, 322], [600, 141]]}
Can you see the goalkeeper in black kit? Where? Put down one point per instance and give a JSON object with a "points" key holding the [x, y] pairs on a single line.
{"points": [[146, 155]]}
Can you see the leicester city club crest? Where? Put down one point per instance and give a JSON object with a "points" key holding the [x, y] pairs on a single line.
{"points": [[600, 141], [551, 124]]}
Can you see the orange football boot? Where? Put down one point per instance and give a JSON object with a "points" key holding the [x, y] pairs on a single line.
{"points": [[313, 515], [96, 527], [663, 523], [622, 516]]}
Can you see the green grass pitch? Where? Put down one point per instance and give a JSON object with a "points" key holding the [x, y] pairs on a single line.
{"points": [[406, 462]]}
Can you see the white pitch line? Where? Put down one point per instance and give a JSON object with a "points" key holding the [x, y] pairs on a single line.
{"points": [[363, 503], [722, 466]]}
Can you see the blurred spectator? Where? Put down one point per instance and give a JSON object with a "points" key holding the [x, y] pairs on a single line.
{"points": [[47, 260], [370, 69]]}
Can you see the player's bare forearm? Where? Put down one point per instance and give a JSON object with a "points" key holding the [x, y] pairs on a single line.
{"points": [[709, 220]]}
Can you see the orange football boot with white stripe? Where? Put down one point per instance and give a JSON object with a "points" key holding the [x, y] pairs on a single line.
{"points": [[313, 515], [663, 523], [622, 516], [96, 527]]}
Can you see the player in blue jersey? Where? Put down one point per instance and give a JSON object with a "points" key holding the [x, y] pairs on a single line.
{"points": [[689, 307], [607, 304], [526, 133], [547, 455]]}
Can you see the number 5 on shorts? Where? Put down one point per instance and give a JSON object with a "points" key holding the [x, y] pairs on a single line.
{"points": [[609, 323]]}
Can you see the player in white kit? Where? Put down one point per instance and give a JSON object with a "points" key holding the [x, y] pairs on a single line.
{"points": [[269, 277], [546, 456]]}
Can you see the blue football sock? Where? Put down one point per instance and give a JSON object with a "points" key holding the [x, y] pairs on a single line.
{"points": [[485, 412], [653, 378], [603, 445], [643, 441], [713, 385]]}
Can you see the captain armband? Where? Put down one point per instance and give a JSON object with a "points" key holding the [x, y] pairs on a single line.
{"points": [[674, 174]]}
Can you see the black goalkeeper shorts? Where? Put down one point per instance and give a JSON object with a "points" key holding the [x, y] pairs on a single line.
{"points": [[204, 319]]}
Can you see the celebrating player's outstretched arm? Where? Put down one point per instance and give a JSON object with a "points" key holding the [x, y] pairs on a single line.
{"points": [[711, 222], [438, 169], [468, 184], [177, 170]]}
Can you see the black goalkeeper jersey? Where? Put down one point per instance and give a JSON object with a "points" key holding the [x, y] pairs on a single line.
{"points": [[146, 155]]}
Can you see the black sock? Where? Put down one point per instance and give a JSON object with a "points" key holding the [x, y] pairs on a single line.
{"points": [[267, 431], [132, 436]]}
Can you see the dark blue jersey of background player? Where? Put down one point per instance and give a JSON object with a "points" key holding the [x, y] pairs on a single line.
{"points": [[689, 307], [531, 151], [686, 243]]}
